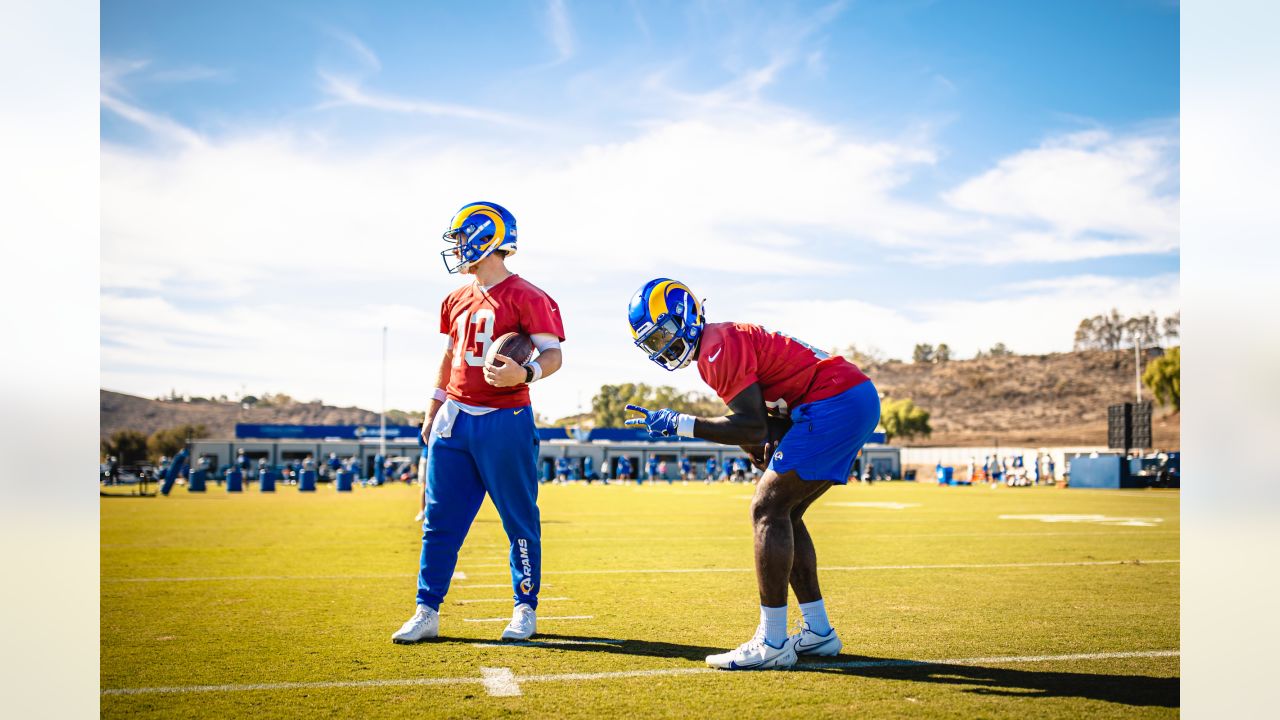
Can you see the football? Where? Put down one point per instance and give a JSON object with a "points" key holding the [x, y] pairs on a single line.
{"points": [[514, 345]]}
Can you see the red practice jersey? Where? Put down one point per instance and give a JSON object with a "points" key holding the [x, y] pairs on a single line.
{"points": [[474, 318], [732, 356]]}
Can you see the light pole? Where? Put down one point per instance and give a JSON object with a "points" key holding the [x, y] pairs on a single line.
{"points": [[1137, 366], [382, 436]]}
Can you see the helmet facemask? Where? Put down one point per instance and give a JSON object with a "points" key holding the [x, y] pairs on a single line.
{"points": [[472, 243], [669, 342]]}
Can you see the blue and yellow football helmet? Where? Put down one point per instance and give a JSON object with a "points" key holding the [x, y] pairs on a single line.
{"points": [[666, 322], [477, 230]]}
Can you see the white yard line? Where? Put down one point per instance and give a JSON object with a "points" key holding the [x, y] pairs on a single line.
{"points": [[210, 578], [543, 586], [291, 686], [1121, 531], [499, 682], [504, 600], [854, 568], [677, 571], [547, 643], [551, 617], [502, 682], [959, 566]]}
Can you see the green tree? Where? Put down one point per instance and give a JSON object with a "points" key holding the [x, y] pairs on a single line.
{"points": [[923, 353], [276, 400], [942, 353], [609, 406], [902, 418], [1172, 327], [1162, 377], [404, 417], [865, 357], [999, 350], [129, 446], [169, 441]]}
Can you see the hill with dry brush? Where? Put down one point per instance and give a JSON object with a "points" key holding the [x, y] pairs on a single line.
{"points": [[1033, 400], [119, 411]]}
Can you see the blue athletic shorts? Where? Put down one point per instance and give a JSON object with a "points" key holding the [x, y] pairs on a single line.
{"points": [[826, 435]]}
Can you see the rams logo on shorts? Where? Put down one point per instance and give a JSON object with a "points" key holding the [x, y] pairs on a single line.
{"points": [[526, 586]]}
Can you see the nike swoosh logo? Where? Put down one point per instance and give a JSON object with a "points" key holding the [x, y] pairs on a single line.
{"points": [[712, 358], [735, 666], [517, 412], [801, 646]]}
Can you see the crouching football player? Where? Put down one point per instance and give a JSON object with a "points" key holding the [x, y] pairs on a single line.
{"points": [[479, 426], [765, 376]]}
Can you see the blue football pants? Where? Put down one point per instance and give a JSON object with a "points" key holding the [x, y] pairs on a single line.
{"points": [[495, 453]]}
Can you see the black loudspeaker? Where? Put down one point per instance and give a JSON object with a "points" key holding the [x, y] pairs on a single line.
{"points": [[1129, 426], [1119, 424], [1140, 433]]}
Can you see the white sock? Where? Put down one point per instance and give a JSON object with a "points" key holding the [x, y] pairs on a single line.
{"points": [[815, 616], [774, 622]]}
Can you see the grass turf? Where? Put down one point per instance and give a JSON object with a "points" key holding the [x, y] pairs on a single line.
{"points": [[297, 588]]}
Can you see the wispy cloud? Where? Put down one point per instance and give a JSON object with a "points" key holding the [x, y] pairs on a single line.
{"points": [[118, 73], [115, 70], [159, 126], [1041, 320], [642, 24], [189, 73], [1090, 194], [559, 30], [345, 91], [356, 47]]}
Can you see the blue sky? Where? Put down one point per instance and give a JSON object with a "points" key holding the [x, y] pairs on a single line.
{"points": [[275, 176]]}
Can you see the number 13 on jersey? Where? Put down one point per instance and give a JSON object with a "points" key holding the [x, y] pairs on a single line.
{"points": [[474, 328]]}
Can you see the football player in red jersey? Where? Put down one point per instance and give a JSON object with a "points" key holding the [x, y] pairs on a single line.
{"points": [[833, 410], [479, 427]]}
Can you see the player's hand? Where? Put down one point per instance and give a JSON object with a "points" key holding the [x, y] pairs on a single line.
{"points": [[659, 423], [504, 372], [759, 455]]}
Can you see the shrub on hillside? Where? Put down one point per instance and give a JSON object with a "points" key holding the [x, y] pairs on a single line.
{"points": [[902, 418], [129, 446], [170, 441]]}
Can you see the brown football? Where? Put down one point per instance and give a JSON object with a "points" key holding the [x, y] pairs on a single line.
{"points": [[514, 345]]}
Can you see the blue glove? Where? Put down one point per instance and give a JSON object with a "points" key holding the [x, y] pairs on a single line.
{"points": [[660, 423]]}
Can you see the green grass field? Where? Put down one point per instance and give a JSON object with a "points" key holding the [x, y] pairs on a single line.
{"points": [[282, 606]]}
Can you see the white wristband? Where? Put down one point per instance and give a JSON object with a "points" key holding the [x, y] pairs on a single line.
{"points": [[439, 394], [684, 425], [537, 370]]}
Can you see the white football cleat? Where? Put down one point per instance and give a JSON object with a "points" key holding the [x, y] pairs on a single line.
{"points": [[808, 642], [524, 623], [424, 625], [756, 654]]}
